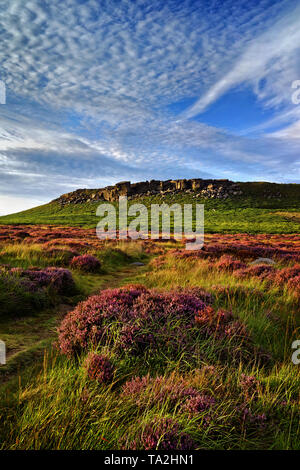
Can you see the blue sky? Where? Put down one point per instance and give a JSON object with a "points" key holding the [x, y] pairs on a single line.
{"points": [[103, 91]]}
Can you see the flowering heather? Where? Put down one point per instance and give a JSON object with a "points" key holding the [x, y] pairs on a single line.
{"points": [[237, 331], [58, 278], [215, 322], [148, 391], [162, 434], [282, 276], [294, 285], [142, 318], [86, 323], [246, 247], [199, 404], [133, 341], [99, 368], [191, 255], [78, 246], [198, 292], [19, 296], [249, 385], [134, 320], [86, 263], [227, 263], [252, 421], [205, 316], [260, 270]]}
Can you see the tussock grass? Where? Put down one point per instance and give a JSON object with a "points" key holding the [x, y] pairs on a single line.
{"points": [[62, 409], [56, 405], [25, 255]]}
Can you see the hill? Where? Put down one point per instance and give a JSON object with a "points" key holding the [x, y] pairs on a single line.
{"points": [[254, 207]]}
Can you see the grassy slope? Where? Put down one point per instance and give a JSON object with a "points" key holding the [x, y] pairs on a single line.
{"points": [[252, 212]]}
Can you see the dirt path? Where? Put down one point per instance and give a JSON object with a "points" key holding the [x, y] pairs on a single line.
{"points": [[122, 276]]}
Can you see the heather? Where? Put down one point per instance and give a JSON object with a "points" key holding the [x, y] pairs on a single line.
{"points": [[38, 285], [86, 263], [99, 368], [24, 290], [162, 434], [135, 321], [19, 295], [190, 351]]}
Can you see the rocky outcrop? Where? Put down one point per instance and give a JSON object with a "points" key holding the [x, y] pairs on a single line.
{"points": [[218, 189]]}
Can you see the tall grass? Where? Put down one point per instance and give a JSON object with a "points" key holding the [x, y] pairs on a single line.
{"points": [[256, 404], [62, 409], [25, 255]]}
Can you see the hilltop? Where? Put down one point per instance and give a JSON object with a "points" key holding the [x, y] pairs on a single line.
{"points": [[195, 188], [221, 189], [230, 207]]}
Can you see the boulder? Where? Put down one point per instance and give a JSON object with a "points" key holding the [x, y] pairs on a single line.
{"points": [[263, 261]]}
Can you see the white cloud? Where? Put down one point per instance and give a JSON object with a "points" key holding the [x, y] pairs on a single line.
{"points": [[273, 57], [291, 132], [89, 84], [119, 54]]}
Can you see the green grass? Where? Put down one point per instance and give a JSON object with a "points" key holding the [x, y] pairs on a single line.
{"points": [[55, 405], [252, 212], [47, 400], [62, 409], [250, 300], [29, 320]]}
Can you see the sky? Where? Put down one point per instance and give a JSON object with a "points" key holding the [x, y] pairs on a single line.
{"points": [[101, 91]]}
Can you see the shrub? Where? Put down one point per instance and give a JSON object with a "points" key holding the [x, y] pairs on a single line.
{"points": [[135, 321], [19, 296], [294, 285], [198, 292], [162, 434], [249, 384], [283, 276], [260, 270], [99, 368], [34, 279], [251, 421], [59, 279], [227, 263], [148, 391], [86, 263], [214, 322], [140, 317], [199, 405]]}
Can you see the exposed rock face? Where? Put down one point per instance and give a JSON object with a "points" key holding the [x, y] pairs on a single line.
{"points": [[219, 189]]}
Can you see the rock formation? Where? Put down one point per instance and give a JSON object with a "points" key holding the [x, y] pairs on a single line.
{"points": [[219, 189]]}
